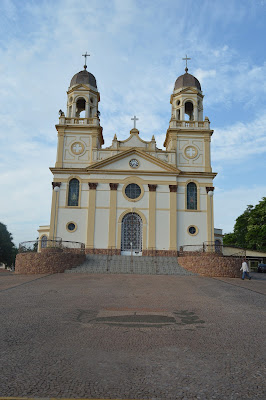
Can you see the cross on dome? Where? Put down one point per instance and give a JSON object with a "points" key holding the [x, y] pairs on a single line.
{"points": [[186, 58], [135, 119], [85, 56]]}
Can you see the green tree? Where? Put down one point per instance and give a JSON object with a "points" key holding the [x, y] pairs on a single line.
{"points": [[256, 229], [250, 228], [8, 250]]}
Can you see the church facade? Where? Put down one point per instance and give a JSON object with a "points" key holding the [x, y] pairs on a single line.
{"points": [[132, 197]]}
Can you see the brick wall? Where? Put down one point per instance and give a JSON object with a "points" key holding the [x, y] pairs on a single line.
{"points": [[50, 261], [211, 264]]}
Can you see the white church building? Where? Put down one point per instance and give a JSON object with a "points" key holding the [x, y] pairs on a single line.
{"points": [[132, 196]]}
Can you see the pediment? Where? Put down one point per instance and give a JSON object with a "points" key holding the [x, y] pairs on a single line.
{"points": [[81, 87], [190, 90], [146, 163]]}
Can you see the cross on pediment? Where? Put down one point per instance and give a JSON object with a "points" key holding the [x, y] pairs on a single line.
{"points": [[135, 119]]}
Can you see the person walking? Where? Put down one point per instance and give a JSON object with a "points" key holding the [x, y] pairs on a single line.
{"points": [[245, 270]]}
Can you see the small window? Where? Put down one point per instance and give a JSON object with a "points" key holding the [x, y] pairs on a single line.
{"points": [[133, 191], [71, 226], [73, 193], [192, 230], [192, 196], [44, 242]]}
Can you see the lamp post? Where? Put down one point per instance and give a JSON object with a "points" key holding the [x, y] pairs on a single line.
{"points": [[56, 189], [210, 194]]}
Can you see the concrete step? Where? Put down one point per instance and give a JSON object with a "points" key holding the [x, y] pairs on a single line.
{"points": [[115, 264]]}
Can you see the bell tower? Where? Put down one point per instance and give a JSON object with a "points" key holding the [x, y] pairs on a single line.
{"points": [[79, 130], [188, 133]]}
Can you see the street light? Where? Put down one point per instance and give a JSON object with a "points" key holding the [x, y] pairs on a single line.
{"points": [[210, 193], [56, 189]]}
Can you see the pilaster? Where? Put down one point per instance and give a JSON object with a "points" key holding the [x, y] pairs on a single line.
{"points": [[173, 217], [54, 211], [210, 222], [152, 216], [112, 215], [91, 214]]}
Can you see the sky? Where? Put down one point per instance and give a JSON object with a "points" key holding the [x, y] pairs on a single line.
{"points": [[136, 49]]}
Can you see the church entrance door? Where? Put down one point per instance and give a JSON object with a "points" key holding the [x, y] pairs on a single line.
{"points": [[131, 240]]}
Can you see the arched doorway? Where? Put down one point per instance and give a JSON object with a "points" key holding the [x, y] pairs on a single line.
{"points": [[131, 234]]}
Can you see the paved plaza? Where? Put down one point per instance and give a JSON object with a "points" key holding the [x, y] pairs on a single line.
{"points": [[132, 337]]}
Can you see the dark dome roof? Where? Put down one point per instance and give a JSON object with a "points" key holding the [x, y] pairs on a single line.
{"points": [[187, 80], [83, 77]]}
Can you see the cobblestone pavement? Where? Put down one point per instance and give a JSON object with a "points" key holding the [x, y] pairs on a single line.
{"points": [[132, 337]]}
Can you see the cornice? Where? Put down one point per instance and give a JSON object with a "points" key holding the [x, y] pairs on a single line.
{"points": [[90, 171], [203, 174]]}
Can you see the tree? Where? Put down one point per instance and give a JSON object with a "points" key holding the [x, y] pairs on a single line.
{"points": [[250, 228], [8, 250], [256, 229]]}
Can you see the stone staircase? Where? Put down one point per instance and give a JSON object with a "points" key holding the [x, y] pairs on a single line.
{"points": [[146, 265]]}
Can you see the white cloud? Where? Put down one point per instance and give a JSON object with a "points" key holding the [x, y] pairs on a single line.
{"points": [[239, 141], [229, 204]]}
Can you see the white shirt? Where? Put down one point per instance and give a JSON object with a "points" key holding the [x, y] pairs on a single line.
{"points": [[244, 267]]}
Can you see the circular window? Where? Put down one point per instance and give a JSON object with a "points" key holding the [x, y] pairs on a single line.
{"points": [[71, 226], [192, 230], [133, 191]]}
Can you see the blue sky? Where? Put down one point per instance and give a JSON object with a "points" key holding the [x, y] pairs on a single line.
{"points": [[136, 49]]}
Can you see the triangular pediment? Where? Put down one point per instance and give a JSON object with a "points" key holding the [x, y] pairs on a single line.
{"points": [[146, 163], [189, 89], [81, 87]]}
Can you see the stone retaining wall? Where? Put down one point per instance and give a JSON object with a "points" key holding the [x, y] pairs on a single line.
{"points": [[211, 264], [50, 261]]}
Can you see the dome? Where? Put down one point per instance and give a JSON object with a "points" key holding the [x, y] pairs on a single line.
{"points": [[84, 77], [187, 80]]}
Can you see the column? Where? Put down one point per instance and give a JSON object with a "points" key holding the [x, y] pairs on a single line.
{"points": [[112, 216], [54, 211], [152, 216], [91, 215], [87, 110], [74, 110], [173, 218], [182, 113]]}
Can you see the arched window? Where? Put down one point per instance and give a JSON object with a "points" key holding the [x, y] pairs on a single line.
{"points": [[44, 242], [73, 193], [192, 196], [80, 108], [189, 116]]}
